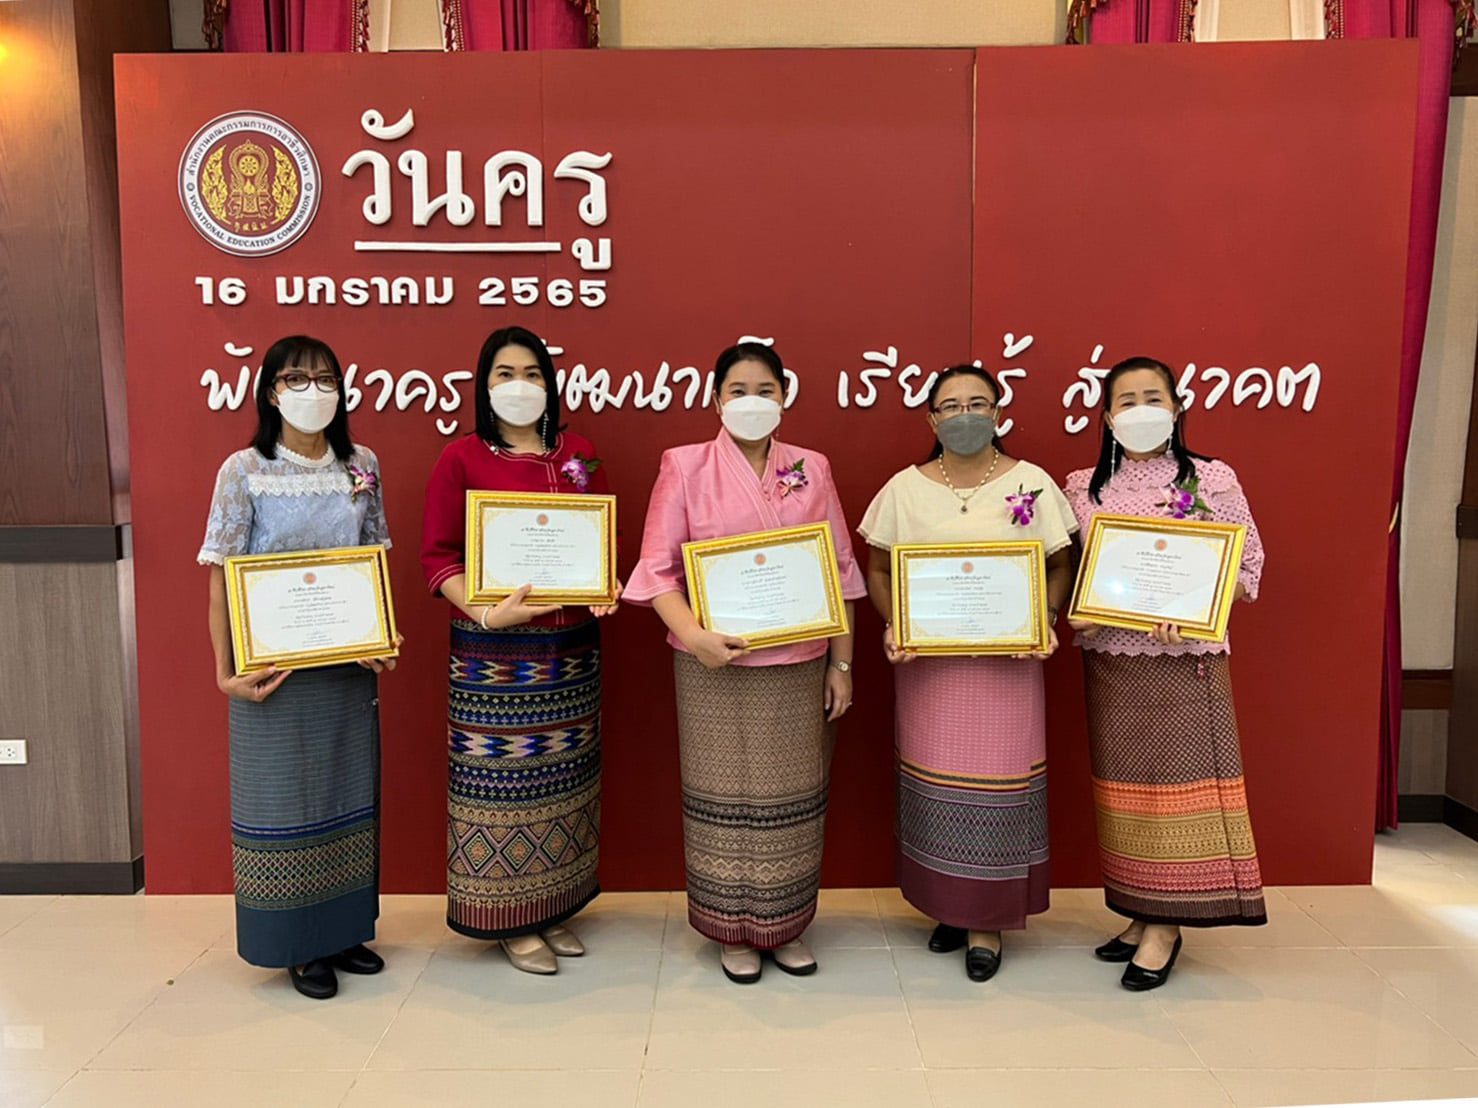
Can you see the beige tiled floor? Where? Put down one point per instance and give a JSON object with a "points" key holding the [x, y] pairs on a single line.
{"points": [[1350, 994]]}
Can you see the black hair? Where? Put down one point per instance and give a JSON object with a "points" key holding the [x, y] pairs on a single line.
{"points": [[298, 350], [944, 376], [487, 422], [748, 352], [1110, 456]]}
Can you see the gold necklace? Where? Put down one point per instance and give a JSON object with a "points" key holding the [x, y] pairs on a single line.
{"points": [[965, 497]]}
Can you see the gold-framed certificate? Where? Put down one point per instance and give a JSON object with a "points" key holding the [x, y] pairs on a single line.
{"points": [[309, 609], [1138, 573], [768, 587], [970, 598], [563, 544]]}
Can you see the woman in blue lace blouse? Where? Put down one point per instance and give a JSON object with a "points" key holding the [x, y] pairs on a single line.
{"points": [[305, 746]]}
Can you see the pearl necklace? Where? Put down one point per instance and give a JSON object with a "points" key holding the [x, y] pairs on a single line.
{"points": [[965, 497]]}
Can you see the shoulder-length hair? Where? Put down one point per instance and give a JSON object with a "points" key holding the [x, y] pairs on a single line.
{"points": [[487, 422], [306, 353], [1111, 456]]}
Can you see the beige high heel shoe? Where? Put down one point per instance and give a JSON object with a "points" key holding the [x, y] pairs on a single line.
{"points": [[563, 941], [795, 958], [531, 954]]}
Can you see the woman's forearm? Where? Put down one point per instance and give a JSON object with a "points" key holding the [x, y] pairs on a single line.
{"points": [[220, 625]]}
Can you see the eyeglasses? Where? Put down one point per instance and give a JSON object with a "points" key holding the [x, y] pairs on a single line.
{"points": [[975, 407], [299, 382]]}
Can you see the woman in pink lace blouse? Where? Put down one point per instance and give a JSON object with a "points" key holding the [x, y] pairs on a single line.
{"points": [[1174, 837]]}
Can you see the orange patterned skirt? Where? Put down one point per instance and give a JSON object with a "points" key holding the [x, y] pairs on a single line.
{"points": [[1174, 837]]}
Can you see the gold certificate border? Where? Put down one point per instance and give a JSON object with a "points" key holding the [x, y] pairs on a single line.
{"points": [[479, 592], [236, 570], [903, 553], [694, 554], [1232, 537]]}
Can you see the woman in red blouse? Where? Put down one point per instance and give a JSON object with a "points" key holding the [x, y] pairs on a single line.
{"points": [[523, 801]]}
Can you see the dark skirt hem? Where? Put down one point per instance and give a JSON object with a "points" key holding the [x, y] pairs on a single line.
{"points": [[1180, 921], [735, 935], [527, 929]]}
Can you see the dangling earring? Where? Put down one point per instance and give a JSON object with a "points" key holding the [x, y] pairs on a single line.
{"points": [[544, 430], [1117, 449]]}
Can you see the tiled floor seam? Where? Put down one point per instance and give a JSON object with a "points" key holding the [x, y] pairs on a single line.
{"points": [[370, 1057], [1411, 1000]]}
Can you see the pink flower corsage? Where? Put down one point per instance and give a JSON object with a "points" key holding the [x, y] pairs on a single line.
{"points": [[1183, 500], [792, 478], [1023, 506], [578, 469], [366, 481]]}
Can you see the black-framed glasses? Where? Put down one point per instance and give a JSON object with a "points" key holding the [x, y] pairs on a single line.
{"points": [[299, 382], [977, 406]]}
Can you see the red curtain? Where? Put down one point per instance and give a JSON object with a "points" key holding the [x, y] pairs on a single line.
{"points": [[1439, 25], [343, 25]]}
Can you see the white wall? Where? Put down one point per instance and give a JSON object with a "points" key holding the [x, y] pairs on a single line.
{"points": [[1434, 468]]}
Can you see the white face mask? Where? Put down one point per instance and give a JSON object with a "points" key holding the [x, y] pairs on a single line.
{"points": [[751, 418], [310, 411], [1142, 429], [518, 403]]}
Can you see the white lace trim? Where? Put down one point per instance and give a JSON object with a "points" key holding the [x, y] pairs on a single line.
{"points": [[324, 462], [319, 482]]}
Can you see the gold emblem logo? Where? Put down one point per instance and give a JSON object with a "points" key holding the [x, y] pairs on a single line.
{"points": [[249, 183]]}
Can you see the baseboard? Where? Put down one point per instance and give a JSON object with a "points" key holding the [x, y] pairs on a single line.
{"points": [[1460, 817], [71, 878], [1420, 808]]}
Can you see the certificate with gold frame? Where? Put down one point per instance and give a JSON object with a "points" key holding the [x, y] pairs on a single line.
{"points": [[768, 587], [970, 598], [310, 609], [563, 544], [1138, 573]]}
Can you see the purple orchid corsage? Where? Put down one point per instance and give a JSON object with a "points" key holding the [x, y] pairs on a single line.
{"points": [[366, 481], [792, 478], [1183, 500], [1023, 506], [578, 469]]}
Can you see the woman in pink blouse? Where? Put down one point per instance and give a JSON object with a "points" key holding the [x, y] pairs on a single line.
{"points": [[1175, 841], [753, 725], [523, 799]]}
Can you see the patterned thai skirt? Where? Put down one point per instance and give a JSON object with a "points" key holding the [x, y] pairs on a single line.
{"points": [[523, 799], [1174, 836], [755, 755], [972, 791], [305, 816]]}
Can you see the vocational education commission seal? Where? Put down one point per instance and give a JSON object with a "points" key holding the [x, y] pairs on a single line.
{"points": [[249, 183]]}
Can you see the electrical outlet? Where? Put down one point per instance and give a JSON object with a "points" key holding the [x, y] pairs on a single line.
{"points": [[12, 752]]}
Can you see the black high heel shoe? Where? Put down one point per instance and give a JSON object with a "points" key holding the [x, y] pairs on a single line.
{"points": [[981, 963], [1138, 979], [1116, 950], [358, 959], [317, 980], [947, 939]]}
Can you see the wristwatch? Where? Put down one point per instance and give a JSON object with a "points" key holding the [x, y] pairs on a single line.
{"points": [[842, 667]]}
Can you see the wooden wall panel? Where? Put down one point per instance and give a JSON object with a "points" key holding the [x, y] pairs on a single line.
{"points": [[53, 434], [106, 27], [64, 689]]}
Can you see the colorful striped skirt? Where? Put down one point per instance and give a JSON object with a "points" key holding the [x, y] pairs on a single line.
{"points": [[305, 816], [1174, 837], [755, 752], [972, 790], [523, 799]]}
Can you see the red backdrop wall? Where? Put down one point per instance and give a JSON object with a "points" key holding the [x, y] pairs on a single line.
{"points": [[878, 214]]}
